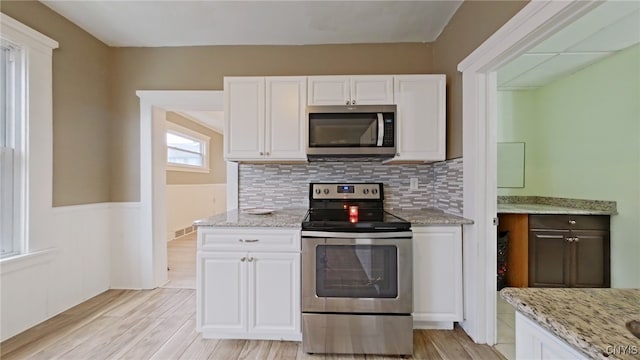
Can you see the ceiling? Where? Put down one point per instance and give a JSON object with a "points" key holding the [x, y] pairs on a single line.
{"points": [[211, 119], [263, 22], [609, 28]]}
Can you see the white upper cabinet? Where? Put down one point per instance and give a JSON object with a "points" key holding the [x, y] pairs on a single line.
{"points": [[350, 90], [372, 90], [244, 117], [420, 117], [285, 118], [328, 90], [265, 118]]}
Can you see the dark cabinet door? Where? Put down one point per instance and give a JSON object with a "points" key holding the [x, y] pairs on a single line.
{"points": [[549, 258], [590, 254]]}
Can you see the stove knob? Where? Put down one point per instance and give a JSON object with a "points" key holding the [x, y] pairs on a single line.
{"points": [[374, 191], [326, 191], [365, 191], [318, 191]]}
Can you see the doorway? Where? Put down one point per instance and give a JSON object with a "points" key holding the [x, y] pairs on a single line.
{"points": [[534, 23], [153, 185]]}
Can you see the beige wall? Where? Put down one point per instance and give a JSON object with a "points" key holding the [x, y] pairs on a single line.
{"points": [[203, 68], [217, 167], [96, 111], [81, 105], [469, 27]]}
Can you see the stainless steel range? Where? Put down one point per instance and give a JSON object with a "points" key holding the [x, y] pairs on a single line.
{"points": [[357, 294]]}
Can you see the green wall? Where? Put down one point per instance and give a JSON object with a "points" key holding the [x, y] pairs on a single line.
{"points": [[582, 135]]}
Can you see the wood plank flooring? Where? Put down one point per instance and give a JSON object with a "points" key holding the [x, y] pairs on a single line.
{"points": [[160, 324]]}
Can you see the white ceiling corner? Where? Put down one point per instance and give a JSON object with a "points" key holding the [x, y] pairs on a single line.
{"points": [[611, 27], [301, 22]]}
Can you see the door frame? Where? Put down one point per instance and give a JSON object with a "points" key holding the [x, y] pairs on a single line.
{"points": [[153, 229], [538, 20]]}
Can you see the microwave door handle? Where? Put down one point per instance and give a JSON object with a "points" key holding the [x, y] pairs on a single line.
{"points": [[380, 130]]}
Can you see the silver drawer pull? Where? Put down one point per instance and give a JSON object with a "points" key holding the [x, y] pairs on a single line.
{"points": [[572, 222], [243, 258], [576, 239], [251, 259], [250, 240]]}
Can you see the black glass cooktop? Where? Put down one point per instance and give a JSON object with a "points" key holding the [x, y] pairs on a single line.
{"points": [[366, 220]]}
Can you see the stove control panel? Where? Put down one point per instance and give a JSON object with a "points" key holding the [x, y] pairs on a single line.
{"points": [[346, 191]]}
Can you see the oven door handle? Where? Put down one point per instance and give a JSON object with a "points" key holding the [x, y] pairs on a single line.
{"points": [[357, 235]]}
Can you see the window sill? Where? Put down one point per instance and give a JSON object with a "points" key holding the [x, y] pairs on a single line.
{"points": [[23, 261], [187, 169]]}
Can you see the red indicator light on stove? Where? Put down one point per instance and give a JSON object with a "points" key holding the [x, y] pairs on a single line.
{"points": [[353, 214]]}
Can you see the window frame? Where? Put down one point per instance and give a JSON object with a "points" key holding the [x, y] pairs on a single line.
{"points": [[15, 112], [182, 131]]}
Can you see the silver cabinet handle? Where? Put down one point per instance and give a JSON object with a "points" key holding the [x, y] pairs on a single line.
{"points": [[267, 153], [569, 239], [250, 240], [397, 154], [261, 153], [347, 102], [572, 222], [243, 258], [576, 239], [353, 102], [251, 259]]}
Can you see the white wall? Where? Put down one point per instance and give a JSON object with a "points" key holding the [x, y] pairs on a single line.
{"points": [[74, 267], [187, 203]]}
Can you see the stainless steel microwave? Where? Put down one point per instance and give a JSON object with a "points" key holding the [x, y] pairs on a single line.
{"points": [[351, 130]]}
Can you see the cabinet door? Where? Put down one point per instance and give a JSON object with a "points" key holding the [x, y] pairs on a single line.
{"points": [[590, 258], [328, 90], [549, 258], [221, 292], [244, 117], [285, 118], [371, 90], [274, 287], [437, 274], [421, 117]]}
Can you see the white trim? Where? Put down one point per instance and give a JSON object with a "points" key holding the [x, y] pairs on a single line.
{"points": [[23, 261], [152, 237], [26, 34], [535, 22]]}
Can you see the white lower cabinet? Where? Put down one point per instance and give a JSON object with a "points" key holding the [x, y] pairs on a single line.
{"points": [[535, 342], [437, 276], [249, 294]]}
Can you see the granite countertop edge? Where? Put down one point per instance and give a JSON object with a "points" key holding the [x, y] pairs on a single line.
{"points": [[569, 329], [292, 218], [554, 205]]}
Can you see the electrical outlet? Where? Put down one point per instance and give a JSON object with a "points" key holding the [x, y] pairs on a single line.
{"points": [[413, 184]]}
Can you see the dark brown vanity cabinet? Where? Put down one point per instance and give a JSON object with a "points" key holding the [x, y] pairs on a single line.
{"points": [[569, 251]]}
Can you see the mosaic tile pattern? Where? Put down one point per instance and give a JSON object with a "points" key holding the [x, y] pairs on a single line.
{"points": [[287, 185], [447, 186]]}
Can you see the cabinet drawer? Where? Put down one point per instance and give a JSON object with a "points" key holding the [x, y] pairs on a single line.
{"points": [[572, 222], [246, 239]]}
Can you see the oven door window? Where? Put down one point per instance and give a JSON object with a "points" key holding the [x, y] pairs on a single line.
{"points": [[343, 130], [357, 271]]}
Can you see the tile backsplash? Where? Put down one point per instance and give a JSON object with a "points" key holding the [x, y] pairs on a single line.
{"points": [[287, 185]]}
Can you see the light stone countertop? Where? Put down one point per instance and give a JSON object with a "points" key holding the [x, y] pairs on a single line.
{"points": [[292, 218], [590, 320], [286, 218], [547, 209], [554, 205], [429, 217]]}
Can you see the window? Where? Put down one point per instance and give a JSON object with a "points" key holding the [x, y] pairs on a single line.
{"points": [[187, 150], [11, 149]]}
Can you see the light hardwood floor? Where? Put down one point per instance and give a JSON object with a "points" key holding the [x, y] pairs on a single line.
{"points": [[181, 259], [160, 324]]}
